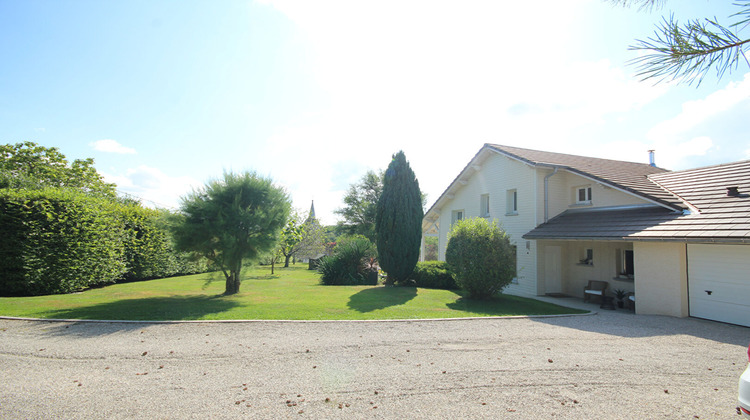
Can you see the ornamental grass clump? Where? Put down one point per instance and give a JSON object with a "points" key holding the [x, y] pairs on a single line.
{"points": [[481, 257], [353, 262]]}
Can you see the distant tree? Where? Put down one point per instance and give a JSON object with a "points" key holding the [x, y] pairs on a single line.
{"points": [[232, 220], [481, 257], [689, 50], [292, 234], [398, 221], [30, 166], [361, 201]]}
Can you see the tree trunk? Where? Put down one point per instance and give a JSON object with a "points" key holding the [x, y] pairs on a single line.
{"points": [[389, 280], [233, 283], [286, 260]]}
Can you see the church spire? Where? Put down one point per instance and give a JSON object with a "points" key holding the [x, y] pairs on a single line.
{"points": [[311, 216]]}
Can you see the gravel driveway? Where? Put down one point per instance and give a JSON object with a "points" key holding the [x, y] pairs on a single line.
{"points": [[607, 365]]}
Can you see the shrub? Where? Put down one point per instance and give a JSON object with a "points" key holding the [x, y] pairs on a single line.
{"points": [[433, 275], [58, 241], [352, 263], [480, 257]]}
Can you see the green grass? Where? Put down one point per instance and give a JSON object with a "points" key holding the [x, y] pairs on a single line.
{"points": [[292, 293]]}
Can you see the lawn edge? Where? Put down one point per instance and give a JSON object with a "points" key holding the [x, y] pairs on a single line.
{"points": [[298, 321]]}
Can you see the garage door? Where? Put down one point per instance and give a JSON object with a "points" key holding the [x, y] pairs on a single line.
{"points": [[719, 282]]}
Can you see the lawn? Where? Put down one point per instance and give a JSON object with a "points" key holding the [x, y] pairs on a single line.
{"points": [[292, 293]]}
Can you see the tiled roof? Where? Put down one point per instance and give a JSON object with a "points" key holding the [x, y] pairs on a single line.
{"points": [[706, 188], [716, 216], [628, 176], [603, 224]]}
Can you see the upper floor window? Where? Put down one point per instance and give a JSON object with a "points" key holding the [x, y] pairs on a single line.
{"points": [[511, 202], [583, 195], [484, 205], [457, 215]]}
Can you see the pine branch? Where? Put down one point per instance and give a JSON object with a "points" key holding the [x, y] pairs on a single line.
{"points": [[689, 51]]}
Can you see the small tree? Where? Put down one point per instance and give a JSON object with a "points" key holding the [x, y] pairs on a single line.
{"points": [[231, 220], [398, 221], [481, 257], [290, 242]]}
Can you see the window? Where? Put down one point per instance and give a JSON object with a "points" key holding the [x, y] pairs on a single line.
{"points": [[588, 257], [484, 205], [583, 195], [628, 266], [511, 202], [456, 216]]}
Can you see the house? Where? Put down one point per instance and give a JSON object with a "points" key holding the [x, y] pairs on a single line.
{"points": [[679, 240]]}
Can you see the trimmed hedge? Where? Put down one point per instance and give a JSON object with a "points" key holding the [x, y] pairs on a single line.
{"points": [[62, 241], [58, 241], [433, 275]]}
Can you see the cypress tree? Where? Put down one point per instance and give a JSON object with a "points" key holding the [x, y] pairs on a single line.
{"points": [[398, 222]]}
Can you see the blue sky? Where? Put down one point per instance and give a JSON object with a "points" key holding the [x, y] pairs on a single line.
{"points": [[165, 95]]}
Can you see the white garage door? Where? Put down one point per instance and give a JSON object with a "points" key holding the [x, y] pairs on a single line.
{"points": [[719, 282]]}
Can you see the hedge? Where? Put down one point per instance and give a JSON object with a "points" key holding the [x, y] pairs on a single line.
{"points": [[61, 241], [433, 275], [58, 241]]}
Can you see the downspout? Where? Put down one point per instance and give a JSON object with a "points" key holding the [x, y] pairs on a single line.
{"points": [[546, 194]]}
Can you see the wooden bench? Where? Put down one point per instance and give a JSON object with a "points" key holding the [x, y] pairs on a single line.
{"points": [[594, 288], [630, 300]]}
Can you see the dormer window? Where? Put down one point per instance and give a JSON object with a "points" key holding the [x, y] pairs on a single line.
{"points": [[583, 195]]}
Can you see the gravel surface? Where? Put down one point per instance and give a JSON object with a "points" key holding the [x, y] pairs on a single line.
{"points": [[607, 365]]}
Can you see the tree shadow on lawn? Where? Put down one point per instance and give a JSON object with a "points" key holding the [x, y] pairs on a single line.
{"points": [[508, 305], [375, 298], [168, 308]]}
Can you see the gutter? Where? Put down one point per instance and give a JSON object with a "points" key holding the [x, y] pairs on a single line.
{"points": [[546, 193]]}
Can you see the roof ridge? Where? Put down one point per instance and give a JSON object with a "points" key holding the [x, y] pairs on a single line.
{"points": [[700, 168], [502, 147]]}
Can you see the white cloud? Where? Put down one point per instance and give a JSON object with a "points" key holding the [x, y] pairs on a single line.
{"points": [[111, 146], [153, 186], [699, 111], [704, 128]]}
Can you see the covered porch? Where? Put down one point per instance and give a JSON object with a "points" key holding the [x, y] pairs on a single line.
{"points": [[565, 267], [612, 245]]}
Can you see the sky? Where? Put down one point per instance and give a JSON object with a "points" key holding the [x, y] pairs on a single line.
{"points": [[166, 95]]}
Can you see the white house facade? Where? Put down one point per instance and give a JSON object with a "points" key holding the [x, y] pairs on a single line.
{"points": [[681, 250]]}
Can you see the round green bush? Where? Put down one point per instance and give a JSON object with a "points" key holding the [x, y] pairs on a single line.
{"points": [[481, 257]]}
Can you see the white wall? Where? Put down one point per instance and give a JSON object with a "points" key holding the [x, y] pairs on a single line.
{"points": [[499, 174], [562, 187], [661, 278]]}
